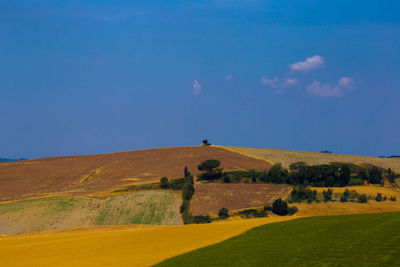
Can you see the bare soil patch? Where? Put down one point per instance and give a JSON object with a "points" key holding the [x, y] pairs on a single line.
{"points": [[81, 175], [209, 198]]}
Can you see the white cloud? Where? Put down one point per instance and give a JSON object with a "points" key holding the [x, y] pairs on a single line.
{"points": [[269, 82], [328, 90], [346, 82], [290, 82], [310, 63], [229, 77], [197, 89]]}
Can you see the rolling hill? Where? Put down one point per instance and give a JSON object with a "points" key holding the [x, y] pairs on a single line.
{"points": [[286, 157], [81, 175]]}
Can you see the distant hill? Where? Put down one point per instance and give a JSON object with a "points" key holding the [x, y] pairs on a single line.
{"points": [[10, 160], [286, 157], [80, 175]]}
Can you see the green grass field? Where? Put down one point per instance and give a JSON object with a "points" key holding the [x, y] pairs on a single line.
{"points": [[348, 240]]}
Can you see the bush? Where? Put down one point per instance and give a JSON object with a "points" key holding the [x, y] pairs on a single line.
{"points": [[209, 165], [164, 183], [177, 184], [201, 219], [301, 193], [280, 207], [253, 213], [292, 210], [392, 198], [379, 197], [362, 198], [327, 195], [223, 213], [345, 196]]}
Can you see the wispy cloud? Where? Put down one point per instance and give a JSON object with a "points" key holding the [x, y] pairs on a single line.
{"points": [[197, 89], [310, 63], [269, 82], [229, 77], [290, 82], [331, 90]]}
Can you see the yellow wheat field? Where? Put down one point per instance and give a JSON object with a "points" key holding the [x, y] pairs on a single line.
{"points": [[118, 246], [286, 157]]}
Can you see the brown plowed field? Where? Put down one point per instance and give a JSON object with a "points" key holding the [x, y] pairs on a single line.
{"points": [[209, 198], [80, 175]]}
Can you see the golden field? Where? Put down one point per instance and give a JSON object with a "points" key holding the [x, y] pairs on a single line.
{"points": [[286, 157], [118, 246]]}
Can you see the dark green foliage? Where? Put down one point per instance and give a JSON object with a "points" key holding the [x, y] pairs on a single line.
{"points": [[280, 207], [223, 213], [375, 175], [202, 219], [345, 196], [278, 174], [164, 183], [327, 195], [296, 166], [393, 198], [301, 193], [177, 184], [362, 198], [209, 169], [356, 181], [379, 197], [187, 194], [205, 142], [253, 213], [292, 210], [345, 240], [209, 165]]}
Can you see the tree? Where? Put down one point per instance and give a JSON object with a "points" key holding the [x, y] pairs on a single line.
{"points": [[209, 165], [223, 213], [278, 174], [164, 183], [296, 166], [280, 207], [327, 195], [209, 169], [374, 175], [206, 143], [379, 197], [362, 198]]}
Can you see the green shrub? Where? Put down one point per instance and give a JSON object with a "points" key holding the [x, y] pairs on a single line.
{"points": [[280, 207], [202, 219], [362, 198], [223, 213], [356, 181], [379, 197], [164, 183], [327, 195], [393, 198]]}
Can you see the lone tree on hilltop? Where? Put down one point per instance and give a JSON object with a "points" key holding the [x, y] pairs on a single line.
{"points": [[206, 143], [210, 169]]}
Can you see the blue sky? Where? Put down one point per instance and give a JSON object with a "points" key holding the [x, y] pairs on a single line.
{"points": [[84, 77]]}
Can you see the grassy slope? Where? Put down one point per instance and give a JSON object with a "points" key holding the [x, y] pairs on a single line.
{"points": [[349, 240], [286, 157], [149, 207]]}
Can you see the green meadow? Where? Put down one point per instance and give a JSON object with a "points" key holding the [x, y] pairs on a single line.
{"points": [[347, 240]]}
